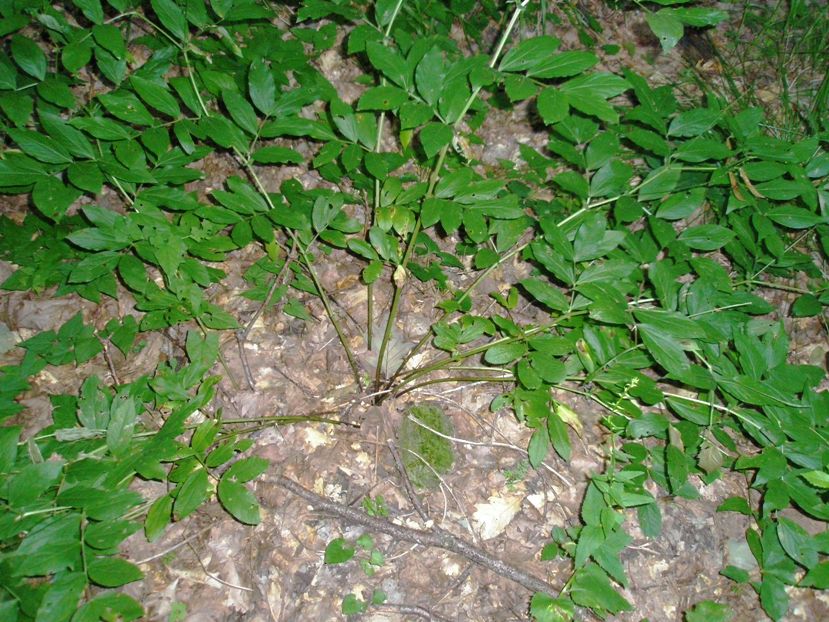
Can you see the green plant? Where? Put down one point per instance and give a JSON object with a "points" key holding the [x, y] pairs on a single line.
{"points": [[369, 559], [668, 24], [645, 271], [517, 474], [788, 51], [376, 507]]}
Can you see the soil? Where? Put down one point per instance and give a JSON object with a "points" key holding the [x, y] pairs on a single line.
{"points": [[223, 571]]}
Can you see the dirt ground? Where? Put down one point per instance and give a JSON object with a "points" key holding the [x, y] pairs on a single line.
{"points": [[223, 571]]}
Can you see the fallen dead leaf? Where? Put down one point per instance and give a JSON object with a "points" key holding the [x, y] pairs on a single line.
{"points": [[493, 517]]}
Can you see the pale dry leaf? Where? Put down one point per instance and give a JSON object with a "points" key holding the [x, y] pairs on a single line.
{"points": [[492, 518], [315, 438], [536, 500]]}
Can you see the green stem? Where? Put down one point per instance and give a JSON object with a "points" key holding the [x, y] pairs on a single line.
{"points": [[434, 177], [144, 19], [377, 148], [778, 286], [719, 309], [59, 508], [483, 275], [303, 253], [477, 281], [445, 361], [459, 379], [222, 359], [466, 293], [713, 406], [790, 246], [407, 255], [329, 311], [387, 33], [193, 82]]}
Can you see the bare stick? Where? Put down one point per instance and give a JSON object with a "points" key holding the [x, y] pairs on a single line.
{"points": [[177, 545], [215, 577], [110, 364], [414, 610], [436, 538], [240, 342], [434, 177], [407, 483]]}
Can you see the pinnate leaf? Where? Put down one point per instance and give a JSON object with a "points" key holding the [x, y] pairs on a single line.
{"points": [[261, 86], [434, 137], [239, 501], [191, 494], [707, 237], [666, 26], [40, 147], [91, 9], [429, 75], [337, 552], [156, 95], [277, 155], [389, 63], [564, 65], [382, 98], [709, 611], [171, 16], [529, 53], [62, 597], [28, 56], [592, 588], [552, 105], [113, 571]]}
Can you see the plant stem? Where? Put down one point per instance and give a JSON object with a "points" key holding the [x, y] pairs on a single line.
{"points": [[434, 177], [460, 379], [466, 293], [442, 363], [778, 286], [377, 148], [303, 253], [222, 359], [407, 255], [193, 82], [789, 246]]}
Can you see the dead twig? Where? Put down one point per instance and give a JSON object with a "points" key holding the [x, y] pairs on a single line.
{"points": [[462, 577], [407, 483], [414, 610], [240, 342], [177, 545], [110, 364], [435, 538], [216, 578]]}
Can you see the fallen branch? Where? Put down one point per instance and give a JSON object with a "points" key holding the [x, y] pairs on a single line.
{"points": [[414, 610], [435, 538], [407, 483]]}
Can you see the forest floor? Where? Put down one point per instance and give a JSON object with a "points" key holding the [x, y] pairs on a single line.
{"points": [[217, 569]]}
